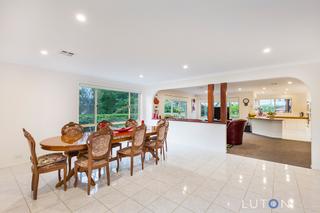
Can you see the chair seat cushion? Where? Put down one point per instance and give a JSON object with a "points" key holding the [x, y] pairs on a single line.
{"points": [[83, 162], [52, 158], [127, 151]]}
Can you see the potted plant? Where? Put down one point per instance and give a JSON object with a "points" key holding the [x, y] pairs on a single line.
{"points": [[271, 114]]}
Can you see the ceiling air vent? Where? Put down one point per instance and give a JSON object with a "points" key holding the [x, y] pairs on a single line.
{"points": [[66, 53]]}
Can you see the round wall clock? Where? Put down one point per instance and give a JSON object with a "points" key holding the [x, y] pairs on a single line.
{"points": [[246, 101]]}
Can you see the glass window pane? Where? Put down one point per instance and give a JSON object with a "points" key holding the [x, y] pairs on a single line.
{"points": [[112, 105], [204, 110], [234, 109], [134, 106], [267, 105], [167, 106], [89, 129], [86, 105], [283, 105], [183, 109], [175, 108]]}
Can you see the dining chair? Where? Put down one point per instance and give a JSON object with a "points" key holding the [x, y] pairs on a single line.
{"points": [[106, 123], [154, 145], [130, 123], [72, 132], [44, 164], [166, 134], [166, 122], [137, 148], [99, 147]]}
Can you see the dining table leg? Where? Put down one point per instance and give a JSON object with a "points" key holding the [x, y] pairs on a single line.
{"points": [[69, 176]]}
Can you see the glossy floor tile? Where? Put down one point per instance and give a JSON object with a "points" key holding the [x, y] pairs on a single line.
{"points": [[188, 180]]}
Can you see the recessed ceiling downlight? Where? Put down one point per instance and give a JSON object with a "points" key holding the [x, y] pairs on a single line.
{"points": [[81, 17], [266, 50], [141, 76], [185, 66], [290, 82], [44, 52]]}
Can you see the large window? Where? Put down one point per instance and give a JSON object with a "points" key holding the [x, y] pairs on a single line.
{"points": [[204, 110], [96, 105], [175, 108], [280, 105], [233, 105]]}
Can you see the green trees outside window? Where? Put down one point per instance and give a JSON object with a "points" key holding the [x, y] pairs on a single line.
{"points": [[96, 105], [175, 108], [281, 105], [234, 112], [233, 105]]}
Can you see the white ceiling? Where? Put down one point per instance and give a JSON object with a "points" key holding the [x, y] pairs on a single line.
{"points": [[277, 86], [122, 39]]}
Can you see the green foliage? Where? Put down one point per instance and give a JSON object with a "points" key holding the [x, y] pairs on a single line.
{"points": [[111, 105], [234, 110], [267, 108], [175, 108]]}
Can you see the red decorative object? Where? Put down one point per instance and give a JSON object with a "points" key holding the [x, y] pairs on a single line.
{"points": [[156, 101], [102, 125], [125, 129]]}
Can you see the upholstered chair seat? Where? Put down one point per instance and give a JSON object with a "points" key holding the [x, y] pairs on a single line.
{"points": [[137, 147], [83, 162], [129, 150], [154, 145], [98, 155], [52, 158], [44, 164]]}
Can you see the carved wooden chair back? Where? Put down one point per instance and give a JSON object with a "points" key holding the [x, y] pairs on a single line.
{"points": [[139, 137], [103, 123], [131, 123], [167, 129], [72, 131], [99, 144], [161, 121], [32, 146], [161, 132]]}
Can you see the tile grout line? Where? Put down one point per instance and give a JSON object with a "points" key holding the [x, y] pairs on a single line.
{"points": [[245, 194], [300, 195], [212, 202], [15, 178]]}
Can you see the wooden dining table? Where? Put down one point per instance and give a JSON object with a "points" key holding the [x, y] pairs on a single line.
{"points": [[59, 143]]}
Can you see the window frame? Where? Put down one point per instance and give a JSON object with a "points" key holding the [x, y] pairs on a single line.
{"points": [[96, 88], [257, 101], [173, 99]]}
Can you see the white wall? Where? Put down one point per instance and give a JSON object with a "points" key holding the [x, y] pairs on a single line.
{"points": [[309, 73], [206, 136], [42, 102]]}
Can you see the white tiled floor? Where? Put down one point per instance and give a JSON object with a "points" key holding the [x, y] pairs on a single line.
{"points": [[188, 181]]}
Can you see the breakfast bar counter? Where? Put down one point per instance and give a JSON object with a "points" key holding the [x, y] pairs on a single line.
{"points": [[291, 128]]}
